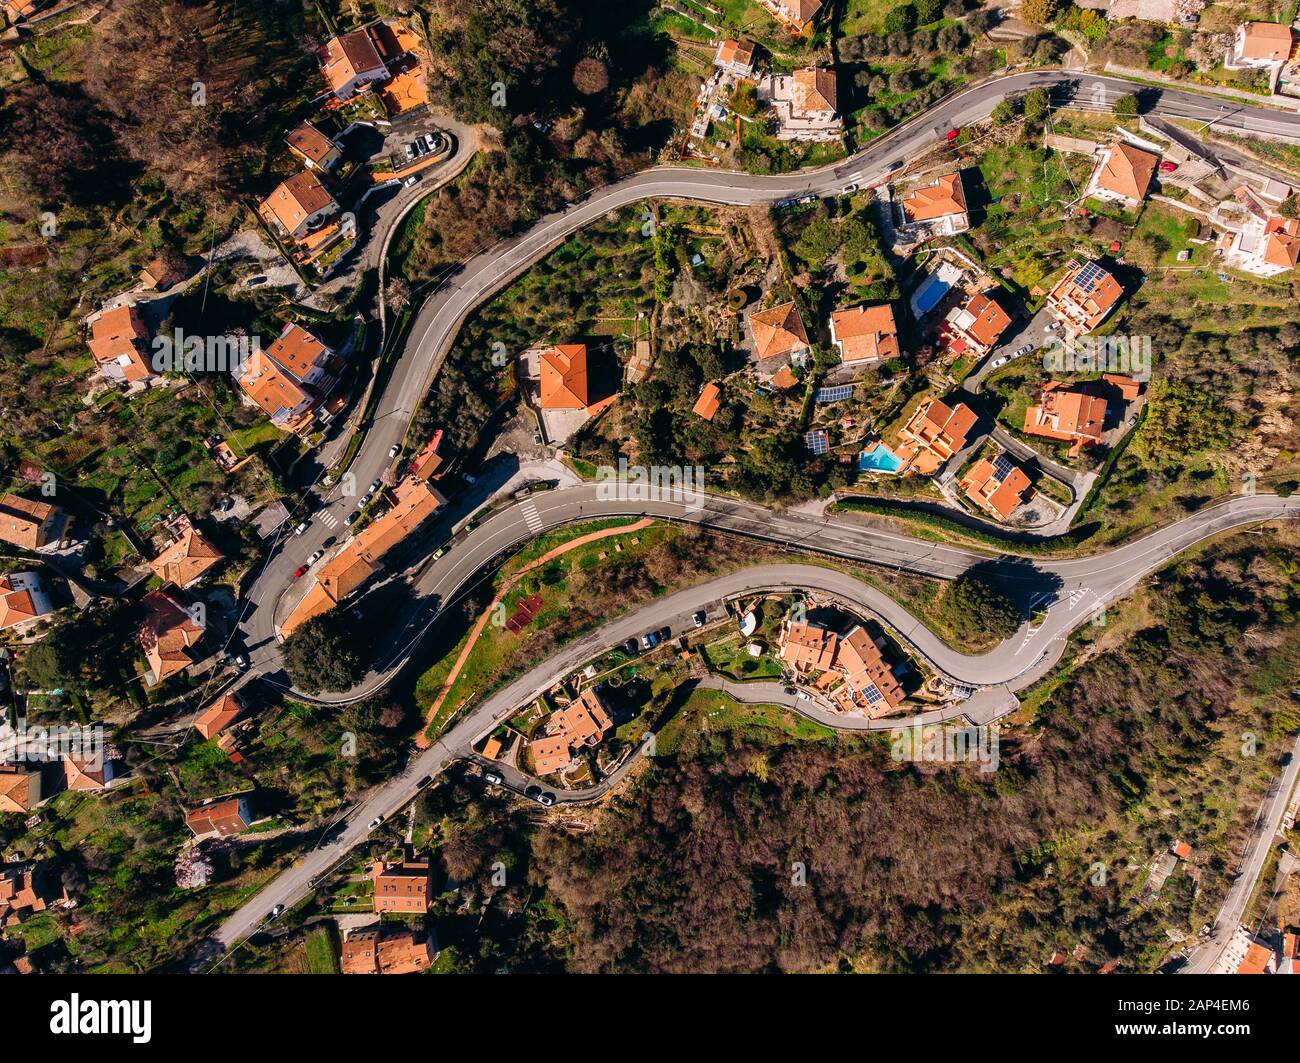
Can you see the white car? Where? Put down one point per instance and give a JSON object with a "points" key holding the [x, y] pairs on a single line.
{"points": [[997, 362], [410, 180], [374, 823], [375, 485], [315, 557], [848, 190], [1023, 350], [302, 527], [394, 450], [803, 695]]}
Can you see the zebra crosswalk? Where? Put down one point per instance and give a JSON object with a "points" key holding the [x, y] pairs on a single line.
{"points": [[532, 518], [329, 520]]}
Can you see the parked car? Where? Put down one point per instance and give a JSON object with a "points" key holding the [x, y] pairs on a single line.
{"points": [[649, 641], [298, 572], [546, 800], [277, 911], [302, 527], [1023, 350], [424, 781], [896, 165], [351, 518], [952, 135], [803, 695], [630, 647], [699, 618], [1167, 166], [374, 823], [492, 778], [997, 363], [315, 557], [253, 282], [358, 614], [239, 661], [849, 189], [410, 180], [394, 450]]}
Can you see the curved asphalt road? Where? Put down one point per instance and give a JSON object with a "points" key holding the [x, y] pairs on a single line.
{"points": [[1077, 586]]}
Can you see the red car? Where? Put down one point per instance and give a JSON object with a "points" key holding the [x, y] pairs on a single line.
{"points": [[299, 571], [953, 134], [1167, 166]]}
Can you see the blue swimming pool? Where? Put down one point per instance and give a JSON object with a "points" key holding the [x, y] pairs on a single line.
{"points": [[928, 295], [879, 458]]}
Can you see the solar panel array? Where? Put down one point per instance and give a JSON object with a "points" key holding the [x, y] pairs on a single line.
{"points": [[1002, 466], [835, 394], [873, 696], [1089, 276], [817, 441]]}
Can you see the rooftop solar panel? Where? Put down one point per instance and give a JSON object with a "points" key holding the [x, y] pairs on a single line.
{"points": [[1089, 276], [872, 694], [1002, 466], [817, 441], [833, 394]]}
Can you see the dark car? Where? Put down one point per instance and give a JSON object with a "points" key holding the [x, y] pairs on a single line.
{"points": [[533, 792], [424, 781]]}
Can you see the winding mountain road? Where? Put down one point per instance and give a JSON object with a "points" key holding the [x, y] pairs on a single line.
{"points": [[1069, 590]]}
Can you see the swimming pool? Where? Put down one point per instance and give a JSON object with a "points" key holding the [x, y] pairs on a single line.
{"points": [[879, 458], [928, 295]]}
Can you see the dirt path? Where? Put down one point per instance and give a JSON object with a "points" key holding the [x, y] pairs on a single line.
{"points": [[422, 740]]}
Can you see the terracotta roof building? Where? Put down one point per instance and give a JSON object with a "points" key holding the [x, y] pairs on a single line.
{"points": [[1257, 43], [425, 465], [187, 559], [22, 895], [167, 634], [20, 789], [298, 205], [87, 773], [1066, 414], [808, 647], [1084, 297], [401, 887], [933, 434], [222, 816], [265, 385], [218, 716], [350, 62], [795, 15], [314, 148], [813, 93], [944, 199], [778, 331], [117, 340], [865, 334], [735, 57], [583, 722], [385, 950], [23, 601], [870, 685], [301, 355], [31, 525], [979, 324], [997, 486], [708, 402], [564, 377], [1123, 175]]}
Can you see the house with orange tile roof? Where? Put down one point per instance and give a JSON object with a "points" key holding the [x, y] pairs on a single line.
{"points": [[221, 816], [1122, 175], [807, 647], [1128, 388], [805, 104], [385, 950], [23, 601], [425, 465], [349, 63], [19, 10], [87, 773], [1066, 414], [167, 635], [706, 406], [189, 556], [778, 332], [735, 57], [218, 716], [936, 209], [1084, 297], [564, 380], [402, 886], [313, 148], [783, 379], [932, 435], [31, 525], [20, 789], [978, 325], [865, 335], [996, 486], [794, 15], [406, 91], [1265, 244], [362, 557], [267, 386], [118, 339], [1260, 45], [302, 356], [297, 206], [583, 723], [164, 271], [869, 686], [24, 892]]}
